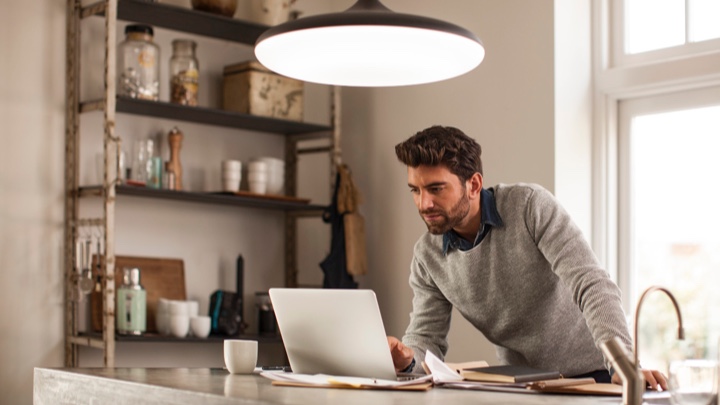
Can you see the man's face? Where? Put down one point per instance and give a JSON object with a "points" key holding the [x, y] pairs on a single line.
{"points": [[439, 196]]}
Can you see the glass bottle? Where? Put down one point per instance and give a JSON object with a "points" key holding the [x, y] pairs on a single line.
{"points": [[131, 304], [138, 68], [184, 73]]}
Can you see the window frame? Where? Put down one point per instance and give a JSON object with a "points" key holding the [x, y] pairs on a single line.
{"points": [[616, 78], [617, 49]]}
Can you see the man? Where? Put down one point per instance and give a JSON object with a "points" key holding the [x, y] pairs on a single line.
{"points": [[513, 263]]}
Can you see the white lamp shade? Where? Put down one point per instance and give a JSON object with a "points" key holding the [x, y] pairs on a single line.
{"points": [[369, 48]]}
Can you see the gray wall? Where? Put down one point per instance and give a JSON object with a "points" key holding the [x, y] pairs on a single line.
{"points": [[527, 104]]}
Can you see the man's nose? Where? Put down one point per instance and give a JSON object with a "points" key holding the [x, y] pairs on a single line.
{"points": [[425, 201]]}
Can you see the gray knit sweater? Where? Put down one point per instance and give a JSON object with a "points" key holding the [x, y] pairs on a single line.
{"points": [[533, 287]]}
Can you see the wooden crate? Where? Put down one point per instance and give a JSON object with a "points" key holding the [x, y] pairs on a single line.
{"points": [[251, 88]]}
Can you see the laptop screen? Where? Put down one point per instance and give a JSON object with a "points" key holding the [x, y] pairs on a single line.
{"points": [[333, 331]]}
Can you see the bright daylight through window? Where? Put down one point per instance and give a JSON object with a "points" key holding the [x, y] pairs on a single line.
{"points": [[656, 24], [674, 228]]}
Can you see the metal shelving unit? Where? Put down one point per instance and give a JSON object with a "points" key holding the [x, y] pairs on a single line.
{"points": [[188, 21]]}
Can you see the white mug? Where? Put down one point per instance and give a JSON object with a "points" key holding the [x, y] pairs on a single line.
{"points": [[240, 355]]}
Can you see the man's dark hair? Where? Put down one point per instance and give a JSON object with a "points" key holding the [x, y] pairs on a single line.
{"points": [[440, 145]]}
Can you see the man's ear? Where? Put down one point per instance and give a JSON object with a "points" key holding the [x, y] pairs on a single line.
{"points": [[474, 185]]}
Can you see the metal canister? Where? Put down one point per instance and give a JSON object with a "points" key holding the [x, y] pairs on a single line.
{"points": [[131, 308]]}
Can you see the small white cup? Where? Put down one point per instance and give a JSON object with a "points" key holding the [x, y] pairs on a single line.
{"points": [[258, 187], [231, 166], [179, 325], [231, 185], [258, 176], [240, 355], [200, 326], [257, 166]]}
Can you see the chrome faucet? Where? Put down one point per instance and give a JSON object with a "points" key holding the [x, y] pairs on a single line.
{"points": [[628, 370]]}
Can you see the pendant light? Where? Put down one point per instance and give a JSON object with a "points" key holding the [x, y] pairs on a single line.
{"points": [[368, 45]]}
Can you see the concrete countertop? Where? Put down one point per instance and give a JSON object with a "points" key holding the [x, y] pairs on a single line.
{"points": [[179, 386]]}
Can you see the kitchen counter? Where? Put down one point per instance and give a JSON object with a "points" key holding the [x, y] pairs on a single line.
{"points": [[180, 386]]}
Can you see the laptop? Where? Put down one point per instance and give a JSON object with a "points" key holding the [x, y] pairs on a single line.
{"points": [[333, 331]]}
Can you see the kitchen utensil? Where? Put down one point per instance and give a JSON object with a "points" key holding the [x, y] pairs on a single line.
{"points": [[98, 269], [86, 282]]}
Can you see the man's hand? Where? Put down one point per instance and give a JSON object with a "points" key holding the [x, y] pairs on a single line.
{"points": [[653, 378], [402, 355]]}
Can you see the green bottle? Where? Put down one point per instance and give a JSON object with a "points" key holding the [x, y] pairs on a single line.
{"points": [[131, 304]]}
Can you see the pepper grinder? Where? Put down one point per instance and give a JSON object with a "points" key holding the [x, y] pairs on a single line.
{"points": [[175, 140]]}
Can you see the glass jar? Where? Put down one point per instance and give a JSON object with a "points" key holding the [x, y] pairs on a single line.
{"points": [[138, 68], [184, 73]]}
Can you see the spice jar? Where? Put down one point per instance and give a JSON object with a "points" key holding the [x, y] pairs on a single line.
{"points": [[184, 73], [138, 70], [131, 306]]}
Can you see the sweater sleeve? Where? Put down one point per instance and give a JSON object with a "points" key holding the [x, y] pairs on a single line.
{"points": [[571, 258], [429, 319]]}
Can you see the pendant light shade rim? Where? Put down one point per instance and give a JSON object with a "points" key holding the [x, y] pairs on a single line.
{"points": [[369, 18]]}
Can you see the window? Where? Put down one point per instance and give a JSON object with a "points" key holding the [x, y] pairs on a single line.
{"points": [[666, 28], [670, 221], [656, 218]]}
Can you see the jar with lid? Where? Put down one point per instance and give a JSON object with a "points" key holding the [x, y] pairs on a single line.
{"points": [[184, 73], [131, 305], [138, 68]]}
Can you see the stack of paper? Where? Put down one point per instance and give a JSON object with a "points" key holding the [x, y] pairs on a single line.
{"points": [[333, 381]]}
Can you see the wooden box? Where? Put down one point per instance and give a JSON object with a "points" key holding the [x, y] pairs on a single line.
{"points": [[251, 88]]}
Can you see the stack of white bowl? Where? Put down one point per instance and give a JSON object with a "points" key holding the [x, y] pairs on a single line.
{"points": [[231, 175], [178, 318], [258, 176], [276, 175]]}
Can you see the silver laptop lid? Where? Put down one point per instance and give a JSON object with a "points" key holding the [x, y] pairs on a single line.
{"points": [[329, 331]]}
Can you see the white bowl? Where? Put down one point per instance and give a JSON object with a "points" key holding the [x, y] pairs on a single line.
{"points": [[232, 185], [257, 166], [231, 173], [258, 187], [258, 176], [179, 325], [233, 165], [178, 307], [200, 326]]}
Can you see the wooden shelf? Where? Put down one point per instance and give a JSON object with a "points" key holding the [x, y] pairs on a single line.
{"points": [[155, 337], [211, 116], [246, 200], [184, 20]]}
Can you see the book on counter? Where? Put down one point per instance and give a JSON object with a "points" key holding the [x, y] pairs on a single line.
{"points": [[508, 374]]}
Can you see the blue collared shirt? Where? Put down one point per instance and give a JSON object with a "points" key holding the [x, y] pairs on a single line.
{"points": [[489, 218]]}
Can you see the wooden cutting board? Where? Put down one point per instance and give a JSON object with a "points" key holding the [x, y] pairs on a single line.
{"points": [[161, 278]]}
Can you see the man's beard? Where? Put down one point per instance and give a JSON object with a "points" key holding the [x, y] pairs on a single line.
{"points": [[449, 219]]}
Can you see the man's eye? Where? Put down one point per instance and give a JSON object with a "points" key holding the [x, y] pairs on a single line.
{"points": [[435, 190], [414, 190]]}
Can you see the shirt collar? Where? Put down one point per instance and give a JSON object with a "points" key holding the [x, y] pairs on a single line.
{"points": [[489, 217]]}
